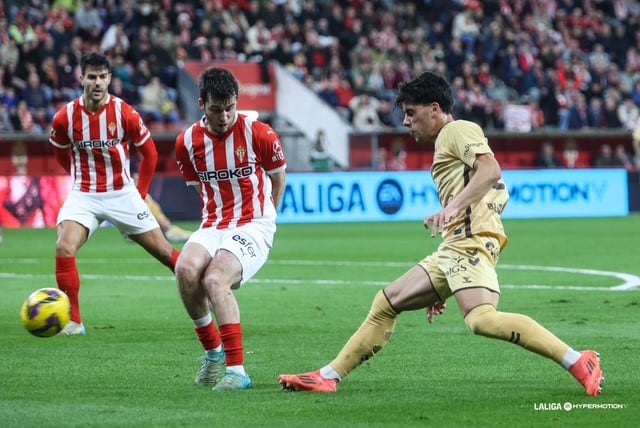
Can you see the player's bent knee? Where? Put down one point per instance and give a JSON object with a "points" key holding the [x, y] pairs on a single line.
{"points": [[482, 320], [186, 272], [65, 249], [381, 307]]}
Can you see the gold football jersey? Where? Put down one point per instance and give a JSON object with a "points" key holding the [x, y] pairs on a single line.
{"points": [[456, 148]]}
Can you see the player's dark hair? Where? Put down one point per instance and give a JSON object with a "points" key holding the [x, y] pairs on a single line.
{"points": [[426, 89], [217, 84], [95, 61]]}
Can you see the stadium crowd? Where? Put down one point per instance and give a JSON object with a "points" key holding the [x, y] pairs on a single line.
{"points": [[567, 64]]}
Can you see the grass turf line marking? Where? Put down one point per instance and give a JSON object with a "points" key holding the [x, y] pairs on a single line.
{"points": [[630, 281]]}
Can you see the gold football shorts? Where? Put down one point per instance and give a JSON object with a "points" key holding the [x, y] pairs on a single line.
{"points": [[464, 263]]}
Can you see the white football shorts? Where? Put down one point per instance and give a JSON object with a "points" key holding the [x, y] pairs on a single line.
{"points": [[124, 209], [250, 243]]}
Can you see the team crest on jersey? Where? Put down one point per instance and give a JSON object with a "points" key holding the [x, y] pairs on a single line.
{"points": [[240, 153], [112, 128]]}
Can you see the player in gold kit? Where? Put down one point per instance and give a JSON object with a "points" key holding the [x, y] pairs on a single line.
{"points": [[473, 195]]}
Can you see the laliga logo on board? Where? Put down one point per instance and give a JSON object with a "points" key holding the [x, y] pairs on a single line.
{"points": [[389, 196]]}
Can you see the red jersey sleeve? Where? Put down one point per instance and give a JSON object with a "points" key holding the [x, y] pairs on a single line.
{"points": [[59, 139], [147, 166], [268, 145], [184, 162], [59, 136], [135, 129]]}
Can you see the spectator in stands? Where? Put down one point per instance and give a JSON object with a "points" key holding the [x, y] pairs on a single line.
{"points": [[9, 52], [390, 117], [465, 28], [155, 104], [299, 67], [320, 159], [203, 52], [623, 157], [25, 120], [115, 36], [510, 72], [61, 25], [398, 161], [345, 95], [547, 157], [89, 21], [364, 110], [36, 95], [258, 35], [606, 158], [124, 70], [118, 89], [128, 16], [50, 80], [10, 98], [571, 155], [379, 159], [327, 91], [21, 29], [6, 123], [628, 113], [68, 81], [142, 74], [454, 56], [578, 116], [610, 111], [535, 113], [595, 114]]}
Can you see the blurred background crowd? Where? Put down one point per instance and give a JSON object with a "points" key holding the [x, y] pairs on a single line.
{"points": [[572, 64]]}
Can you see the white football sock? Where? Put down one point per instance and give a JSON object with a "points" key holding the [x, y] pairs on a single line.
{"points": [[328, 372], [570, 358]]}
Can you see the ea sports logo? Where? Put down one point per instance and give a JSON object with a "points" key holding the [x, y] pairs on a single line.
{"points": [[389, 196]]}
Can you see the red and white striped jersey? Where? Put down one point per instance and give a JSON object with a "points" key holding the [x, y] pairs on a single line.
{"points": [[99, 142], [231, 171]]}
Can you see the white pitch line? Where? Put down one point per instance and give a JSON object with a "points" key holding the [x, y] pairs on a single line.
{"points": [[630, 281]]}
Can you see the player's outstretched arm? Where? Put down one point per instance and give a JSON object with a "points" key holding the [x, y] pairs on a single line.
{"points": [[148, 164]]}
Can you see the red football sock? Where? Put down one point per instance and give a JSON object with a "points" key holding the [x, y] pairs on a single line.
{"points": [[68, 280], [232, 340], [209, 336], [174, 259]]}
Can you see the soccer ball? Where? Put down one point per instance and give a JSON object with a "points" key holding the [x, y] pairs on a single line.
{"points": [[46, 312]]}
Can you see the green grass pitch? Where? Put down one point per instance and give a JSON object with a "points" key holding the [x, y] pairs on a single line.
{"points": [[578, 277]]}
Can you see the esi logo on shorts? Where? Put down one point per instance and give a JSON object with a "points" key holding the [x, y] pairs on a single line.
{"points": [[389, 196], [245, 245]]}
